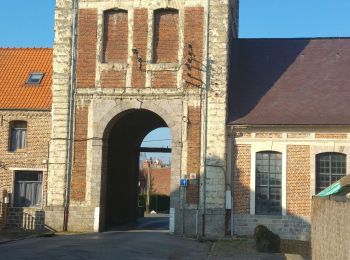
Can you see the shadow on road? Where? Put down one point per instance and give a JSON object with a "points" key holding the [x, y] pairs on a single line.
{"points": [[150, 222]]}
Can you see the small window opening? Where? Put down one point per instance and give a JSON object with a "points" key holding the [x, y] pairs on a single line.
{"points": [[35, 78], [28, 188], [18, 138]]}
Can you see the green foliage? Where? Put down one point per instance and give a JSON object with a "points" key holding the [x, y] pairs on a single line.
{"points": [[158, 202]]}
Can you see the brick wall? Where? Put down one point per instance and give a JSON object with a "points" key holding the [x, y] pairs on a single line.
{"points": [[115, 38], [298, 180], [166, 36], [193, 55], [140, 42], [242, 135], [79, 159], [298, 135], [164, 79], [331, 136], [241, 178], [268, 135], [160, 180], [31, 157], [193, 152], [38, 136], [86, 56], [113, 79]]}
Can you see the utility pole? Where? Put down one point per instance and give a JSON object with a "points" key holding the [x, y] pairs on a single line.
{"points": [[149, 164]]}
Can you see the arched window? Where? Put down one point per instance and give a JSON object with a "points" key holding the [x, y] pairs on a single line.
{"points": [[330, 167], [268, 184], [18, 135]]}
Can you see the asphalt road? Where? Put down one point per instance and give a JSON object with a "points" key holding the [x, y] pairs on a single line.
{"points": [[149, 239]]}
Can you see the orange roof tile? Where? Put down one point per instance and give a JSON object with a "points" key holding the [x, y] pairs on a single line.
{"points": [[16, 64]]}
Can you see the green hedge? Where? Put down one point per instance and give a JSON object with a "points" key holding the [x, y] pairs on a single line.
{"points": [[158, 202]]}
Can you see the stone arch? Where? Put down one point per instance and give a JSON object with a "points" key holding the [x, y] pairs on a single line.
{"points": [[170, 118], [169, 112]]}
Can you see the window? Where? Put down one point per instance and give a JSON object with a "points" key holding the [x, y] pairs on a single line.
{"points": [[27, 192], [18, 135], [268, 183], [35, 78], [330, 167]]}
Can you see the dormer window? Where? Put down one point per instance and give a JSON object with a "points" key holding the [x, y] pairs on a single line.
{"points": [[35, 78]]}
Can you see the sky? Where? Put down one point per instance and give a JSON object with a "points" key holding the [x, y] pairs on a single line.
{"points": [[30, 23]]}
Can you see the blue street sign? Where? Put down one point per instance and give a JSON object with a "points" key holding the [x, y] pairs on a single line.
{"points": [[183, 182]]}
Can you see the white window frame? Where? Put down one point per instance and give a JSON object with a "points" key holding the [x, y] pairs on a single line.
{"points": [[13, 171], [315, 150], [273, 147]]}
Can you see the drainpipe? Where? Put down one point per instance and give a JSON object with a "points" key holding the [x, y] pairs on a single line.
{"points": [[71, 109], [230, 176]]}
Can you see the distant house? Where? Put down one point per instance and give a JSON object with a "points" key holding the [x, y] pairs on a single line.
{"points": [[25, 128], [159, 178]]}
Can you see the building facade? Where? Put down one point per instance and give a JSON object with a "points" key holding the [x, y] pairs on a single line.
{"points": [[288, 130], [258, 125], [122, 69], [25, 129]]}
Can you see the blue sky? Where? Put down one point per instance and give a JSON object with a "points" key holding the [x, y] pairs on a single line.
{"points": [[294, 18], [30, 23]]}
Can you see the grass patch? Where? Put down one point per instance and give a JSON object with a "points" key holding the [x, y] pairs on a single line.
{"points": [[298, 247]]}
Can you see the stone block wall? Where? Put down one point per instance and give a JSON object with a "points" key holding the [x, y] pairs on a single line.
{"points": [[287, 227], [168, 67], [26, 218]]}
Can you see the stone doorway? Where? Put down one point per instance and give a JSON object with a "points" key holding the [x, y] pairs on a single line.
{"points": [[120, 165]]}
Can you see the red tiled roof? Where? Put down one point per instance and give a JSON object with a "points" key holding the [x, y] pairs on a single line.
{"points": [[290, 81], [16, 64]]}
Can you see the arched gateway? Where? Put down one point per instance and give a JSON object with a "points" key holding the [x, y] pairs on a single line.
{"points": [[121, 141], [122, 69]]}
